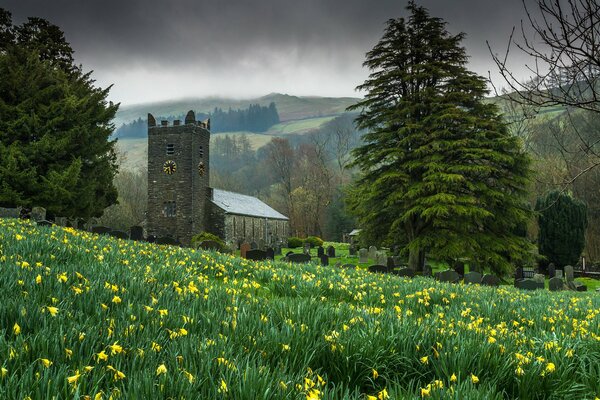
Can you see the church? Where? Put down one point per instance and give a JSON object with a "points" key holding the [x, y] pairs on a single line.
{"points": [[181, 202]]}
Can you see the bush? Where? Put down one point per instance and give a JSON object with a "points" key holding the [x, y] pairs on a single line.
{"points": [[204, 236], [294, 242], [314, 241]]}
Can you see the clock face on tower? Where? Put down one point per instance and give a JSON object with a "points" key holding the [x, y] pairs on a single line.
{"points": [[169, 167]]}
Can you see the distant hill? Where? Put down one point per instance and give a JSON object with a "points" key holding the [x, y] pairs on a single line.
{"points": [[289, 107]]}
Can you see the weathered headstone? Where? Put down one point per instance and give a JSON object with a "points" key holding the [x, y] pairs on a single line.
{"points": [[555, 284], [519, 273], [244, 247], [473, 277], [381, 258], [277, 248], [299, 258], [101, 230], [10, 212], [448, 275], [253, 245], [324, 259], [427, 270], [38, 213], [61, 221], [379, 268], [270, 253], [331, 252], [406, 272], [349, 266], [490, 280], [559, 273], [527, 284], [320, 251], [352, 250], [459, 267], [372, 252], [363, 256], [569, 273], [539, 278], [256, 255], [262, 244], [44, 223], [390, 263], [136, 232], [119, 234], [551, 270]]}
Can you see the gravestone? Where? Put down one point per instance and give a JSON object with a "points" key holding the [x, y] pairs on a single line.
{"points": [[253, 245], [406, 272], [363, 256], [298, 258], [378, 268], [390, 263], [352, 250], [76, 222], [459, 267], [555, 284], [10, 212], [209, 245], [473, 277], [288, 253], [519, 273], [490, 280], [44, 223], [320, 251], [551, 270], [427, 270], [528, 284], [261, 244], [101, 230], [136, 232], [119, 234], [270, 253], [277, 248], [38, 213], [61, 221], [256, 255], [166, 240], [559, 274], [331, 252], [372, 252], [569, 274], [448, 275], [539, 278], [349, 266], [324, 259], [381, 258], [306, 248], [151, 239], [244, 247]]}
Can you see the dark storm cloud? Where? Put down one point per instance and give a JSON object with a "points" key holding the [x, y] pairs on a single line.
{"points": [[156, 49]]}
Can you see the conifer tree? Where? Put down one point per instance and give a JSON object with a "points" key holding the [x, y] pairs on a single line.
{"points": [[55, 125], [440, 172], [562, 221]]}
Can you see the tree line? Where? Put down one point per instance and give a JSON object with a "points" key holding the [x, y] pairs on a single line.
{"points": [[255, 118]]}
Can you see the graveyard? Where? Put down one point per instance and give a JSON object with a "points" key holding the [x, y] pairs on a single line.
{"points": [[95, 315]]}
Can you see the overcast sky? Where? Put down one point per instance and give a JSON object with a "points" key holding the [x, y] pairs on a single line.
{"points": [[155, 50]]}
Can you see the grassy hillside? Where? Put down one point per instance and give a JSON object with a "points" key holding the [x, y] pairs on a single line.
{"points": [[86, 315], [289, 107]]}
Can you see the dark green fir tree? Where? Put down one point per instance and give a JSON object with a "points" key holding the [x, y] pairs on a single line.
{"points": [[55, 150], [562, 221], [439, 169]]}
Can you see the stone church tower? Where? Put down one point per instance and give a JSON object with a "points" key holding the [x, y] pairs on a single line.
{"points": [[178, 171]]}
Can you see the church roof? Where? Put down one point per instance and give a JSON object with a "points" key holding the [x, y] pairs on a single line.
{"points": [[235, 203]]}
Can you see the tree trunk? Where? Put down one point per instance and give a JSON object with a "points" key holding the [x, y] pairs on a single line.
{"points": [[414, 260]]}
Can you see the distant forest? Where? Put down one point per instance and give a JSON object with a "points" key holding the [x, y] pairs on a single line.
{"points": [[255, 118]]}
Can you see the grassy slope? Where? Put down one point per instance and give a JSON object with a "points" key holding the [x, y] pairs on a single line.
{"points": [[229, 328]]}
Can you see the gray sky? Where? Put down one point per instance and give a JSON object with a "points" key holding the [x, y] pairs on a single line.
{"points": [[155, 50]]}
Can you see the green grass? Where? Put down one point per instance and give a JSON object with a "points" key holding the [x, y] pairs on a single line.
{"points": [[178, 323], [298, 126]]}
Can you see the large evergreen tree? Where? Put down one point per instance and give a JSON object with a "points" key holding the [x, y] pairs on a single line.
{"points": [[55, 125], [439, 168], [562, 221]]}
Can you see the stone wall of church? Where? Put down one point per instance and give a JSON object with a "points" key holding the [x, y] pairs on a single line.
{"points": [[236, 229]]}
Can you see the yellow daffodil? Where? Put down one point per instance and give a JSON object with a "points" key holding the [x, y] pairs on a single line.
{"points": [[102, 356], [188, 376], [116, 299], [453, 378], [3, 372], [383, 395], [162, 369], [474, 378], [47, 363], [38, 279], [52, 310], [16, 329], [425, 392], [375, 374], [424, 359], [74, 378], [223, 387]]}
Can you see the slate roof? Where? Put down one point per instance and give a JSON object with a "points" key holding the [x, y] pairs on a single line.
{"points": [[235, 203]]}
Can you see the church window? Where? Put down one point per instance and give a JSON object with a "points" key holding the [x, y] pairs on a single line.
{"points": [[170, 149], [201, 152], [169, 209]]}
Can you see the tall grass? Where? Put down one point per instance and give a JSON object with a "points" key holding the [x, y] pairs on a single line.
{"points": [[86, 315]]}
